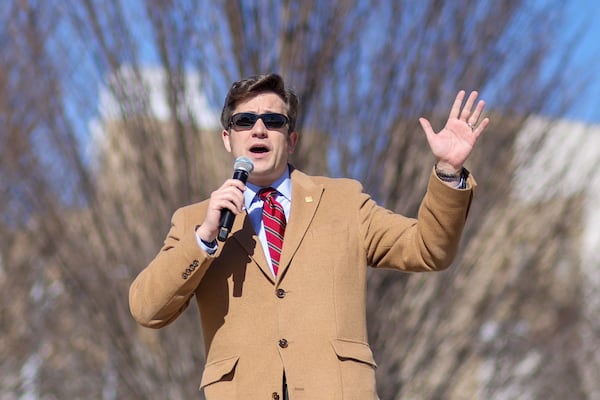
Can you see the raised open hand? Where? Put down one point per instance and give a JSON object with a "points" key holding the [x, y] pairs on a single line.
{"points": [[453, 144]]}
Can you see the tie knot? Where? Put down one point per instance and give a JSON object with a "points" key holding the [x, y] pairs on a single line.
{"points": [[267, 193]]}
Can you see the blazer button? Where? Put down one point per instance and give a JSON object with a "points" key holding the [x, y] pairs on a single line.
{"points": [[275, 396], [280, 293], [283, 343]]}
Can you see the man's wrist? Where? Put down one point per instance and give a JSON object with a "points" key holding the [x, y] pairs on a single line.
{"points": [[457, 179], [205, 239], [448, 175], [210, 247]]}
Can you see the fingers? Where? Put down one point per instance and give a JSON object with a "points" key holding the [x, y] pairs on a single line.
{"points": [[467, 114], [481, 127], [230, 196], [472, 120], [455, 110], [466, 111]]}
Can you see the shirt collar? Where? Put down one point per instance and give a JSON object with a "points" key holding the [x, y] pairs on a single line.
{"points": [[283, 185]]}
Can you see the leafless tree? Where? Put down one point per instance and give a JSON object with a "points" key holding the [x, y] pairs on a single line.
{"points": [[83, 213]]}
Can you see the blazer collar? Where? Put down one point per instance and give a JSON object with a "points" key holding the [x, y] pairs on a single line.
{"points": [[306, 196]]}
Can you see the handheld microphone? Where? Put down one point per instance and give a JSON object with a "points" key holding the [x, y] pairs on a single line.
{"points": [[242, 167]]}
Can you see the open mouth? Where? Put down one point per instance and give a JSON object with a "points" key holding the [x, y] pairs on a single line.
{"points": [[259, 149]]}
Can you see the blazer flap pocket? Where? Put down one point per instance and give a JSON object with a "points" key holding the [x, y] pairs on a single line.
{"points": [[353, 350], [216, 370]]}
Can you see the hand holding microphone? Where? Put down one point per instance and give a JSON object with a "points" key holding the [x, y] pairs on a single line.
{"points": [[242, 167], [225, 203]]}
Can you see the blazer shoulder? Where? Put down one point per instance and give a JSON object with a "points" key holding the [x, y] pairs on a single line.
{"points": [[328, 183], [191, 210]]}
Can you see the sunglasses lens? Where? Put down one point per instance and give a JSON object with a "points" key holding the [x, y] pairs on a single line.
{"points": [[244, 120], [274, 121]]}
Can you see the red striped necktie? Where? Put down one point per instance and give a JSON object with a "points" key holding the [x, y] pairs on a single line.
{"points": [[274, 224]]}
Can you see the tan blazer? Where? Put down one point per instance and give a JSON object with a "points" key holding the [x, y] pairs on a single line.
{"points": [[310, 321]]}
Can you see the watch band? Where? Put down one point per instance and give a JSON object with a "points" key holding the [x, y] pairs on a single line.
{"points": [[460, 178]]}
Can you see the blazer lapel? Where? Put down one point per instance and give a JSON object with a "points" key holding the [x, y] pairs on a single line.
{"points": [[306, 196], [243, 233]]}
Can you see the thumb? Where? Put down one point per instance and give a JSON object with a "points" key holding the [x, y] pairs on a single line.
{"points": [[426, 127]]}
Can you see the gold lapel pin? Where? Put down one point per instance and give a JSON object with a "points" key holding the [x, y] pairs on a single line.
{"points": [[308, 199]]}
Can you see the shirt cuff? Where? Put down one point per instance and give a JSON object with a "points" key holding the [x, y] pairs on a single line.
{"points": [[462, 183], [209, 248], [459, 181]]}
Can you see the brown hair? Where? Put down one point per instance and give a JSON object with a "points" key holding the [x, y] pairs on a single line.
{"points": [[248, 87]]}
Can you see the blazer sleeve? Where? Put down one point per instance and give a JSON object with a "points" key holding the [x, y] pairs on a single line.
{"points": [[426, 243], [161, 291]]}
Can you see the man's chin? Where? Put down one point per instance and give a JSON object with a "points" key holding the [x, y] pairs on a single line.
{"points": [[263, 177]]}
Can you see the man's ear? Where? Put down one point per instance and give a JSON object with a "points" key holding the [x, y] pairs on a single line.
{"points": [[225, 136], [293, 140]]}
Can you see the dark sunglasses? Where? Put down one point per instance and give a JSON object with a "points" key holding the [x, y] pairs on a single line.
{"points": [[247, 120]]}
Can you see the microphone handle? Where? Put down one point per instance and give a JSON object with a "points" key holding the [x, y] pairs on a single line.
{"points": [[227, 217]]}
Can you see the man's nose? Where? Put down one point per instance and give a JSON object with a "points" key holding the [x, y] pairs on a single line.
{"points": [[259, 128]]}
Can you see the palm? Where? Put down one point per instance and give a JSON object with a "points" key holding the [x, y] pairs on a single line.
{"points": [[453, 143]]}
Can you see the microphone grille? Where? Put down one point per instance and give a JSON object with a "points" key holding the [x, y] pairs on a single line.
{"points": [[243, 163]]}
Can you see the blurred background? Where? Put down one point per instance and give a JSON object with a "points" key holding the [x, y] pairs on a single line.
{"points": [[109, 122]]}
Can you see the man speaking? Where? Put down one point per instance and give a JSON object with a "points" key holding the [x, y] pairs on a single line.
{"points": [[282, 297]]}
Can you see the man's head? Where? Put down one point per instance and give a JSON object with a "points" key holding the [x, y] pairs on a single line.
{"points": [[251, 86], [259, 119]]}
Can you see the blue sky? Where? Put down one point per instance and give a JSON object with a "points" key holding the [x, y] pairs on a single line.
{"points": [[585, 15]]}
